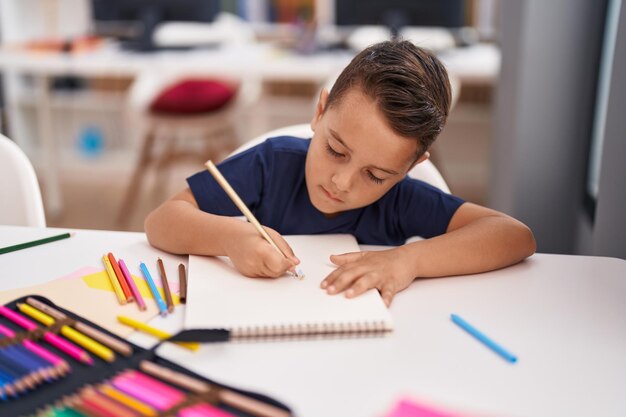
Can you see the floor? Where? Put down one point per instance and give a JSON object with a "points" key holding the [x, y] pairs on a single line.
{"points": [[92, 198]]}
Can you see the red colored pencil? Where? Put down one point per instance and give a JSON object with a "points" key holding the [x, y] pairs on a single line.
{"points": [[120, 277]]}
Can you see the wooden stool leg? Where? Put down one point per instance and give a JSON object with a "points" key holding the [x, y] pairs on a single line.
{"points": [[162, 169], [130, 199]]}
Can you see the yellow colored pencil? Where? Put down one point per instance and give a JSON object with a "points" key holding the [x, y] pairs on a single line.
{"points": [[72, 334], [128, 401], [113, 278], [159, 334]]}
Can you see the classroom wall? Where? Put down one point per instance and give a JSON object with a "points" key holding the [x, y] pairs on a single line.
{"points": [[544, 113]]}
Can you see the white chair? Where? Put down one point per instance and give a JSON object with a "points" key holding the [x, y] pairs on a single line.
{"points": [[425, 171], [166, 139], [22, 204]]}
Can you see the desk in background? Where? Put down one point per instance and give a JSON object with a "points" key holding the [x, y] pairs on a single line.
{"points": [[258, 61], [479, 63], [562, 315]]}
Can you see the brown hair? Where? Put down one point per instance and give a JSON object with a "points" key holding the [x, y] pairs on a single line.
{"points": [[409, 84]]}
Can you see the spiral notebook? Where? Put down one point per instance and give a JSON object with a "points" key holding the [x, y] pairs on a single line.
{"points": [[219, 297]]}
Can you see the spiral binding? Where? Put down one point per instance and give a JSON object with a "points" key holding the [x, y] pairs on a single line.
{"points": [[309, 330]]}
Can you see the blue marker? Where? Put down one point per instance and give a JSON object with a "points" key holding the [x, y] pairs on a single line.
{"points": [[509, 357], [154, 290]]}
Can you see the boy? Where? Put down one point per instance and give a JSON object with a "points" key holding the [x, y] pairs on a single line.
{"points": [[379, 120]]}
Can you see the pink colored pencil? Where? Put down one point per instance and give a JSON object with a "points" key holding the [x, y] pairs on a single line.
{"points": [[131, 283], [143, 394], [67, 347], [63, 345], [161, 388], [17, 318], [203, 410], [38, 350], [6, 331], [44, 353]]}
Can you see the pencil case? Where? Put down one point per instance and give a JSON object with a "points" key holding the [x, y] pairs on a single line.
{"points": [[137, 382]]}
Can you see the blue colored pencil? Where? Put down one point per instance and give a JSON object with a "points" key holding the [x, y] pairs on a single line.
{"points": [[506, 355], [153, 289], [25, 362]]}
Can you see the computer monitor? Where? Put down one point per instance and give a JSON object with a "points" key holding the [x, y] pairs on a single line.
{"points": [[396, 14], [134, 21]]}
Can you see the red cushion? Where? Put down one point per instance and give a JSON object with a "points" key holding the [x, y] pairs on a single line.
{"points": [[193, 96]]}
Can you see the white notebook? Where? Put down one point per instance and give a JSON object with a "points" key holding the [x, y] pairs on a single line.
{"points": [[218, 296]]}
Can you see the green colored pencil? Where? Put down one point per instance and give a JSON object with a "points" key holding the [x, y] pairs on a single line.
{"points": [[25, 245]]}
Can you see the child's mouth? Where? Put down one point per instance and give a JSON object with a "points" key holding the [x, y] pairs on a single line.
{"points": [[330, 196]]}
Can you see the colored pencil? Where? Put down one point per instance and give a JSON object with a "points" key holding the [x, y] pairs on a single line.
{"points": [[159, 334], [153, 289], [130, 402], [166, 286], [509, 357], [115, 344], [111, 407], [142, 393], [121, 297], [244, 209], [72, 334], [32, 243], [32, 346], [182, 283], [226, 396], [63, 345], [120, 277], [165, 390], [132, 285]]}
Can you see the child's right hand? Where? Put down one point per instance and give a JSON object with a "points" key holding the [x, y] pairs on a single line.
{"points": [[253, 256]]}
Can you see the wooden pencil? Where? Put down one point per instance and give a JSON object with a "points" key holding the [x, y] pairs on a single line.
{"points": [[153, 331], [234, 399], [166, 286], [182, 283], [30, 244], [115, 344], [72, 334], [119, 293], [120, 277], [242, 206]]}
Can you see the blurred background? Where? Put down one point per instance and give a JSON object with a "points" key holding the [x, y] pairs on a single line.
{"points": [[116, 102]]}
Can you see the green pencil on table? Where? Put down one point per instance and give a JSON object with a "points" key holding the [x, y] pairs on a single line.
{"points": [[38, 242]]}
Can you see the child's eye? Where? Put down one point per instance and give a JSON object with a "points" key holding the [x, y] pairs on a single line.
{"points": [[333, 152], [374, 178]]}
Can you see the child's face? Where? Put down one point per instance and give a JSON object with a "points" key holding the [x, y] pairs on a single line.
{"points": [[354, 157]]}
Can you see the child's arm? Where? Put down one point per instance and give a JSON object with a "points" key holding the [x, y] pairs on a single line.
{"points": [[478, 239], [179, 226]]}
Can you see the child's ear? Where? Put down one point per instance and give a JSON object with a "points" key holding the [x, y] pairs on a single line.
{"points": [[421, 159], [319, 108]]}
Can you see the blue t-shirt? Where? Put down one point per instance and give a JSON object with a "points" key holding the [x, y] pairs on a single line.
{"points": [[269, 178]]}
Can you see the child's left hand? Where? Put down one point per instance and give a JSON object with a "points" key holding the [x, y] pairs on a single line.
{"points": [[358, 272]]}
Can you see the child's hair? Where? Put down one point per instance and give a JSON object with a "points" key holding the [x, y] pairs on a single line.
{"points": [[409, 85]]}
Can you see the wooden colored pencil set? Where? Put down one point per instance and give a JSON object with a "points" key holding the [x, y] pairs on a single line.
{"points": [[126, 291], [54, 363]]}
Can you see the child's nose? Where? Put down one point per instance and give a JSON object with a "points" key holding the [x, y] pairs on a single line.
{"points": [[342, 180]]}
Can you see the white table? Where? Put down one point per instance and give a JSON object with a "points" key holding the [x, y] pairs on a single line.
{"points": [[564, 316]]}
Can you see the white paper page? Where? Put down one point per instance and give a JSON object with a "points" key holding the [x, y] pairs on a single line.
{"points": [[220, 297]]}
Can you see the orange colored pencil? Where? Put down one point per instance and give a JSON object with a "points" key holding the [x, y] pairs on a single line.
{"points": [[120, 277]]}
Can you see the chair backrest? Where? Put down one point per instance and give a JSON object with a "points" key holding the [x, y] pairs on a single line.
{"points": [[425, 171], [22, 203]]}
